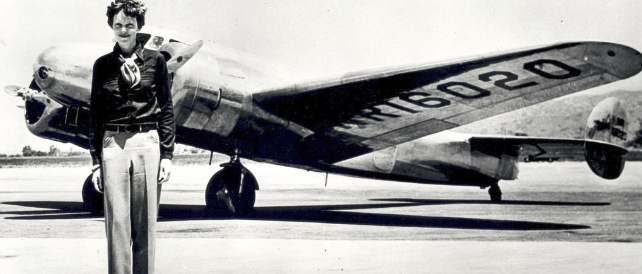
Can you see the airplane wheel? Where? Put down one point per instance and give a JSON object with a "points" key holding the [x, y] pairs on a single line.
{"points": [[92, 200], [495, 193], [222, 192]]}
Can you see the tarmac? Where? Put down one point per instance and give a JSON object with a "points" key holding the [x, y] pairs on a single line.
{"points": [[557, 218]]}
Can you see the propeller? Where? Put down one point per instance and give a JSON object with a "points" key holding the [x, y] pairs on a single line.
{"points": [[17, 91], [22, 92], [14, 91], [180, 59]]}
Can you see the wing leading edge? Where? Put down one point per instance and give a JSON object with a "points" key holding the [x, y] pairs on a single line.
{"points": [[364, 111]]}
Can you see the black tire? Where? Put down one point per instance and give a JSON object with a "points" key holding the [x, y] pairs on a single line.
{"points": [[92, 200], [222, 192]]}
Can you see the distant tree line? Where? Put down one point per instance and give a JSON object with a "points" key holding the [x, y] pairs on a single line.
{"points": [[27, 151]]}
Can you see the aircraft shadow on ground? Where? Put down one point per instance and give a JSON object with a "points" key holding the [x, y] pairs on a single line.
{"points": [[504, 202], [333, 214], [53, 210]]}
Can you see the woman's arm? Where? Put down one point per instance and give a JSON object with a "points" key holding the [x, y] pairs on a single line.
{"points": [[166, 124], [95, 119]]}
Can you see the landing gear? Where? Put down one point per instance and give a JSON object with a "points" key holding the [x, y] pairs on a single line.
{"points": [[495, 193], [233, 189], [92, 200]]}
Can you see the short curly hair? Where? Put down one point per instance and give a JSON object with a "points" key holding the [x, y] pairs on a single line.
{"points": [[133, 8]]}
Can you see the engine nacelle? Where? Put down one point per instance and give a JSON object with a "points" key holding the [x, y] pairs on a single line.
{"points": [[607, 123]]}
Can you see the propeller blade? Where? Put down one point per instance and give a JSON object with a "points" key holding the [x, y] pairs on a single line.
{"points": [[180, 59], [14, 91], [25, 93]]}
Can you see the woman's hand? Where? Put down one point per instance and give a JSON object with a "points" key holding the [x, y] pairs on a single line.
{"points": [[165, 170], [96, 179]]}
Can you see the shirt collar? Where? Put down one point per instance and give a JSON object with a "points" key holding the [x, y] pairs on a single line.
{"points": [[138, 49]]}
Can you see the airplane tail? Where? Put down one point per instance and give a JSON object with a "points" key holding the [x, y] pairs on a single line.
{"points": [[606, 123]]}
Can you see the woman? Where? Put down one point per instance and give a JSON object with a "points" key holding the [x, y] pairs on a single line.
{"points": [[132, 131]]}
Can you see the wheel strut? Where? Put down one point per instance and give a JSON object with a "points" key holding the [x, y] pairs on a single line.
{"points": [[495, 193]]}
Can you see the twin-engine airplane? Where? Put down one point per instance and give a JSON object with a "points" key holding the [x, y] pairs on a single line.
{"points": [[389, 123]]}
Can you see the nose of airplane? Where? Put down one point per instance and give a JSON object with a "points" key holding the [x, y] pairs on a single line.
{"points": [[64, 72]]}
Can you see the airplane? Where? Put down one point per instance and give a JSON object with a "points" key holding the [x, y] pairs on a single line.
{"points": [[388, 123]]}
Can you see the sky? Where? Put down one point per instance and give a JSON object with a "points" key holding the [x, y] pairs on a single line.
{"points": [[314, 37]]}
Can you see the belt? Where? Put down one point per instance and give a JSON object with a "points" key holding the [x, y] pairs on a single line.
{"points": [[130, 128]]}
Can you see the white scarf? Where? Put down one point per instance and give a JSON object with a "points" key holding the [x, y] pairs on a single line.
{"points": [[129, 70]]}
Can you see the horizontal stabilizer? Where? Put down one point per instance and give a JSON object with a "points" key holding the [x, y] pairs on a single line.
{"points": [[540, 147]]}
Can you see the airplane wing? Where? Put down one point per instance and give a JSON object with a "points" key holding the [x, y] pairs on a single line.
{"points": [[359, 112], [541, 149]]}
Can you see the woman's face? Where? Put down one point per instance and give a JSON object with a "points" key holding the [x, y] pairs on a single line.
{"points": [[125, 28]]}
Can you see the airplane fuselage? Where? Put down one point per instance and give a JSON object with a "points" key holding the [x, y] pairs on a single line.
{"points": [[214, 110]]}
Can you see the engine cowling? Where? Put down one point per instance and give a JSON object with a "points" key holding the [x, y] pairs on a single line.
{"points": [[606, 123], [47, 118]]}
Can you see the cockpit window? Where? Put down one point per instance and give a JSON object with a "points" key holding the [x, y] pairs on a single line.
{"points": [[156, 42], [168, 47], [159, 39]]}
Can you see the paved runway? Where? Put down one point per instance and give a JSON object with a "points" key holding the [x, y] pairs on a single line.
{"points": [[556, 218]]}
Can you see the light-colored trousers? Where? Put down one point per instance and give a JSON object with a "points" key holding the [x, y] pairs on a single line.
{"points": [[130, 163]]}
